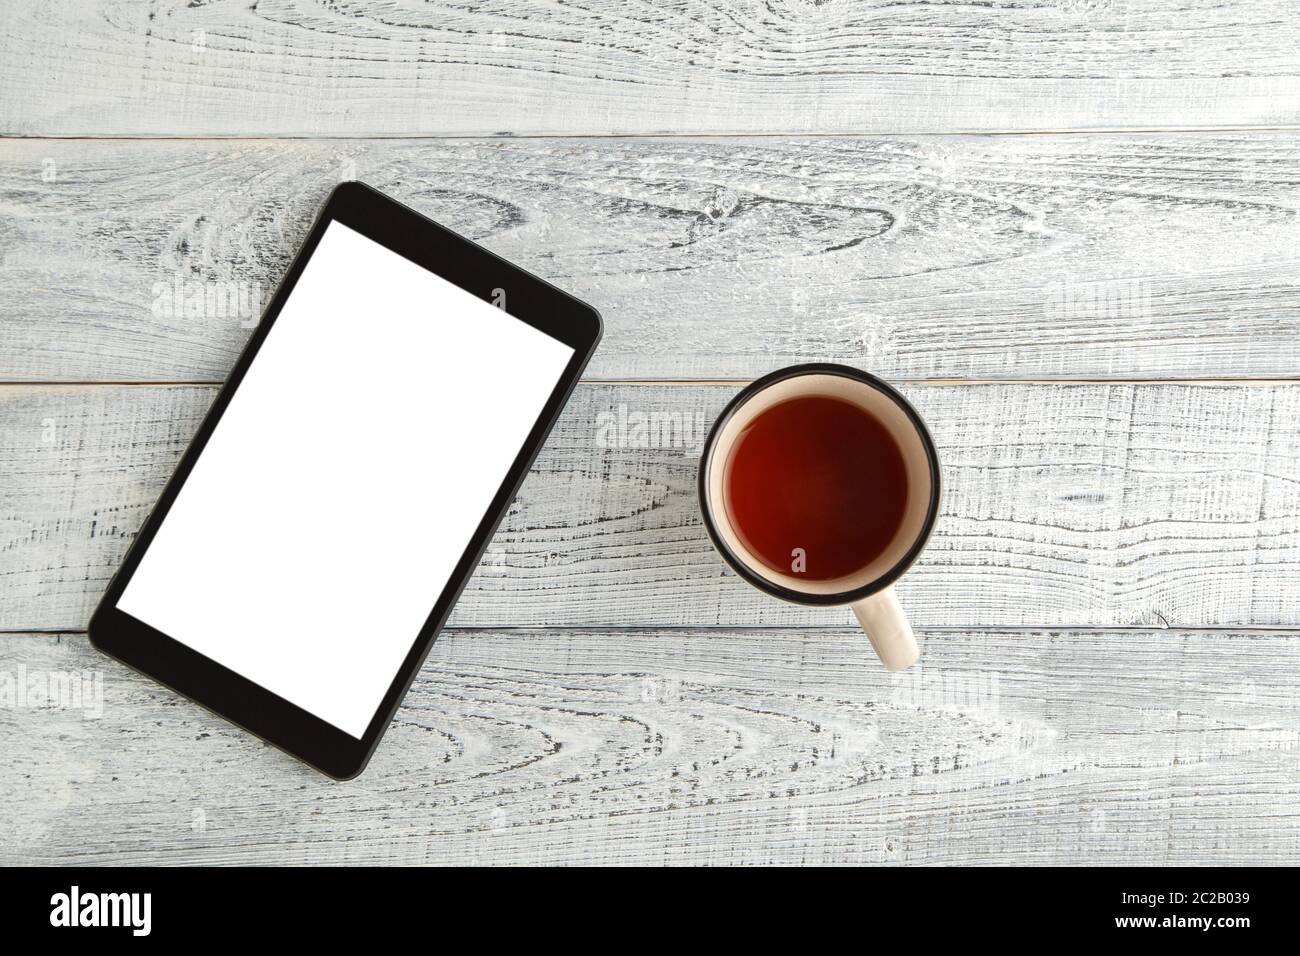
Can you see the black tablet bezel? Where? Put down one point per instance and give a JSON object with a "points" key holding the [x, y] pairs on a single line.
{"points": [[227, 693]]}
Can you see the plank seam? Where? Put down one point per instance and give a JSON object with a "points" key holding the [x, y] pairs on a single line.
{"points": [[731, 382], [435, 137], [1260, 629]]}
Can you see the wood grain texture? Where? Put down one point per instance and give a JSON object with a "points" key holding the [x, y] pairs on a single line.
{"points": [[959, 257], [310, 67], [768, 746], [610, 692], [1063, 505]]}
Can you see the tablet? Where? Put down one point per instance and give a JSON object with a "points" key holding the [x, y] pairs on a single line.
{"points": [[346, 481]]}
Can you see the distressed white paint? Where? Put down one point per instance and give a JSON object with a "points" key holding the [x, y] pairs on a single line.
{"points": [[750, 746], [743, 733], [919, 258], [409, 67], [1063, 505]]}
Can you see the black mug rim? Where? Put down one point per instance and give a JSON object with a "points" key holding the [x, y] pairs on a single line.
{"points": [[790, 594]]}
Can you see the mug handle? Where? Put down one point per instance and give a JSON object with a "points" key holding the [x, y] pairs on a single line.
{"points": [[882, 617]]}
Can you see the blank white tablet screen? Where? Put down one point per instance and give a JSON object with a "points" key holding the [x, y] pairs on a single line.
{"points": [[345, 479]]}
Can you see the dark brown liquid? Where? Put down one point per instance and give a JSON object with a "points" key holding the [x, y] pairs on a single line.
{"points": [[816, 477]]}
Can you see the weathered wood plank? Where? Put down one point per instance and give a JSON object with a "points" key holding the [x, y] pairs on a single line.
{"points": [[1064, 505], [965, 257], [686, 747], [285, 67]]}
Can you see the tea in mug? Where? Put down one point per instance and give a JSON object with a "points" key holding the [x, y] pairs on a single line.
{"points": [[816, 486]]}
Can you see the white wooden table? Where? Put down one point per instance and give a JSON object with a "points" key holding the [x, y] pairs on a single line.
{"points": [[1068, 229]]}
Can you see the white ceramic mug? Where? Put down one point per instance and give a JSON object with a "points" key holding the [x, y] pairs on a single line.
{"points": [[868, 590]]}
